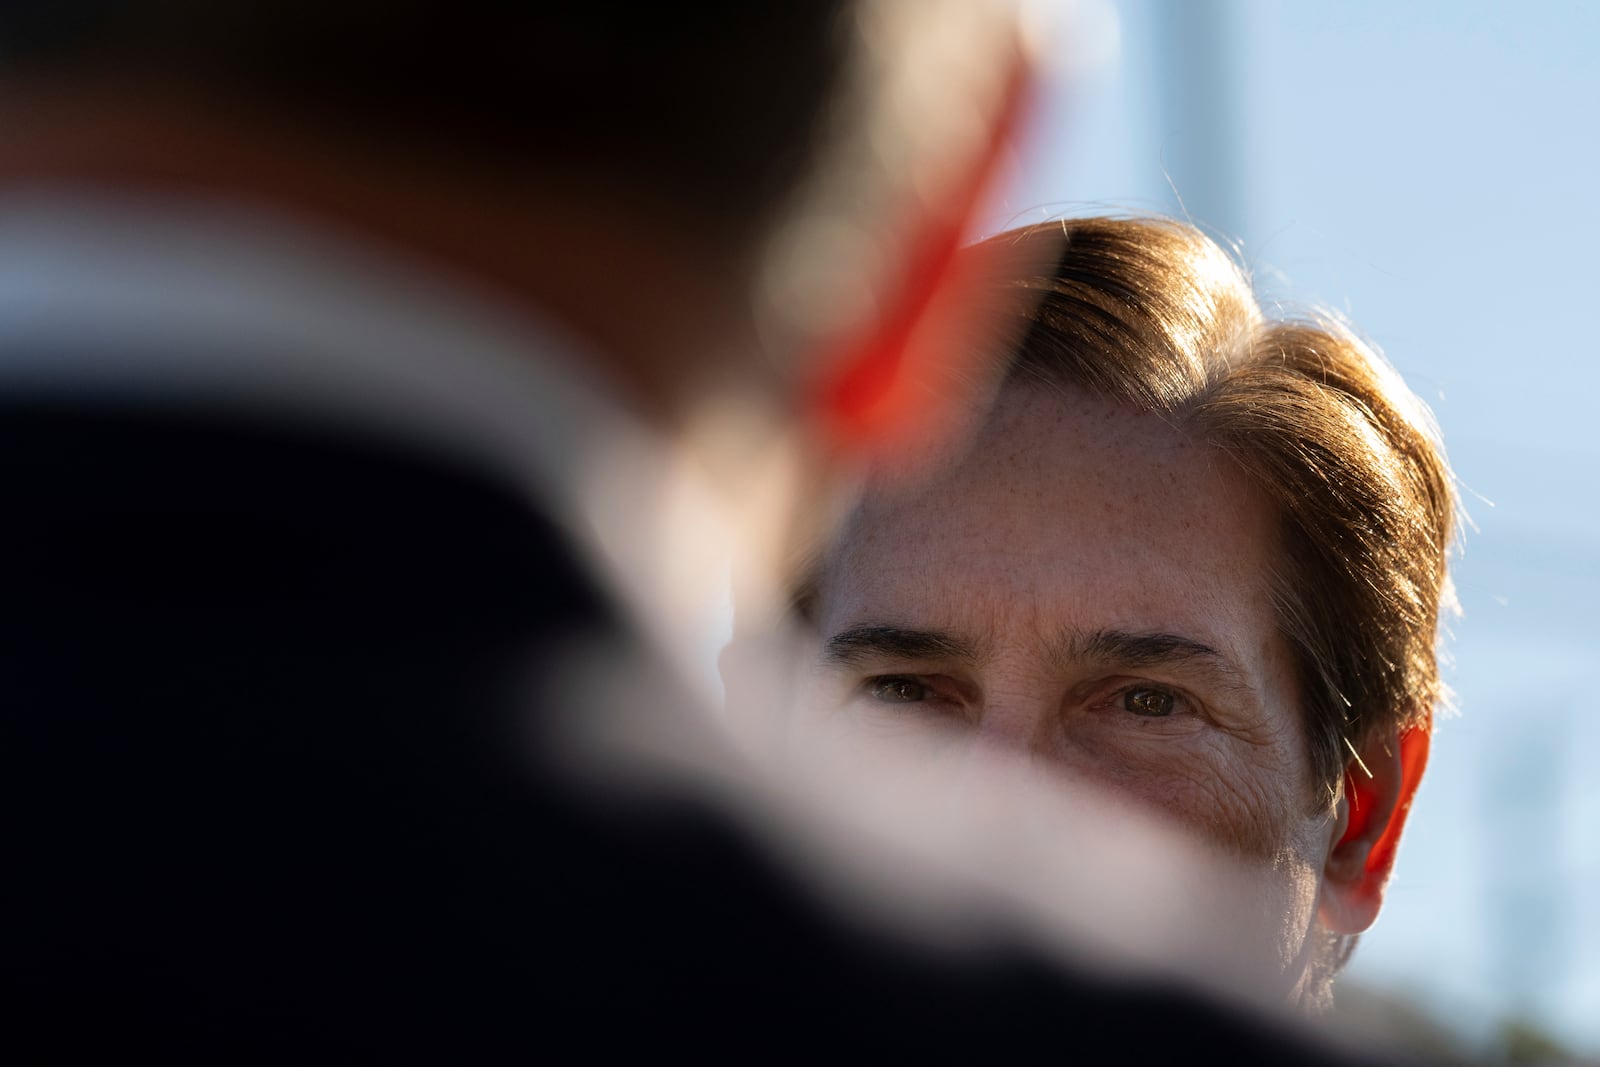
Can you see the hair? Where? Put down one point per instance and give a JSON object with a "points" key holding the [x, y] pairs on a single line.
{"points": [[712, 107]]}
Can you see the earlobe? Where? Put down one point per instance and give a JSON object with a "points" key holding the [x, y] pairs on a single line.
{"points": [[1380, 784]]}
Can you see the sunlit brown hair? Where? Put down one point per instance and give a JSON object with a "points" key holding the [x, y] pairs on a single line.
{"points": [[1153, 313]]}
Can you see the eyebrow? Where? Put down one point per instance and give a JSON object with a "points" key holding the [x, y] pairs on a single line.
{"points": [[863, 643], [1151, 649]]}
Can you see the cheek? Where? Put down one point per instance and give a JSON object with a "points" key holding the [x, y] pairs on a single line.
{"points": [[1236, 795], [1249, 806]]}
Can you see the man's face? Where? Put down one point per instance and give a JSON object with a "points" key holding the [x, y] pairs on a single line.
{"points": [[1090, 586]]}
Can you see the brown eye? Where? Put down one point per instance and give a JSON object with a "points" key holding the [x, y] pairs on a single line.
{"points": [[1152, 703], [898, 690]]}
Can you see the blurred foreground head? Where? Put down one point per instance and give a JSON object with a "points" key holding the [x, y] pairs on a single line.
{"points": [[714, 195], [1195, 554], [745, 215]]}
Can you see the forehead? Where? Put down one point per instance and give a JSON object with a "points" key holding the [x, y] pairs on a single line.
{"points": [[1071, 511]]}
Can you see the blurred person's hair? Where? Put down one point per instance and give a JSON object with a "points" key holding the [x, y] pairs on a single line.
{"points": [[711, 106]]}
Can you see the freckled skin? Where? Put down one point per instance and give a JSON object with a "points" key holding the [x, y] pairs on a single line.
{"points": [[1072, 514]]}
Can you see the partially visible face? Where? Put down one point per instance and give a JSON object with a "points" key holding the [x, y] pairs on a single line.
{"points": [[1090, 586]]}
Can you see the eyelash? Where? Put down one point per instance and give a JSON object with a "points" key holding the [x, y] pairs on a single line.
{"points": [[872, 687], [1117, 699], [1176, 701]]}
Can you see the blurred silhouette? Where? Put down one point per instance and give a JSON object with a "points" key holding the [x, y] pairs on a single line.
{"points": [[383, 387]]}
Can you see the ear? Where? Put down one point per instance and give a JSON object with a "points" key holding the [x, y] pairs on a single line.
{"points": [[883, 387], [1380, 784]]}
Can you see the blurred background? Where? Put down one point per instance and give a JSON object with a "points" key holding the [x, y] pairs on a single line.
{"points": [[1427, 169]]}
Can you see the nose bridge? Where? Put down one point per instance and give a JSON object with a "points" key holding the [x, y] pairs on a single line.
{"points": [[1018, 714]]}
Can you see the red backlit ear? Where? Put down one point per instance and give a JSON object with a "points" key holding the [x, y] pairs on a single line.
{"points": [[886, 387], [1379, 788]]}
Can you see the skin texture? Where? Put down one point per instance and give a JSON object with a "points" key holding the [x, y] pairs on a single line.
{"points": [[1088, 585]]}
